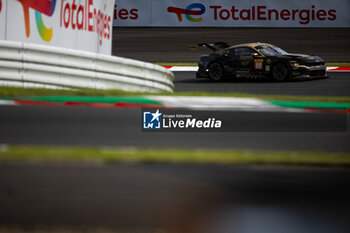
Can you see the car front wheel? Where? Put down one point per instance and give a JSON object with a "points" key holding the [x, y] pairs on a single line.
{"points": [[216, 71]]}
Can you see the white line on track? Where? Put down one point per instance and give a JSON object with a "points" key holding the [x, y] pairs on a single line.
{"points": [[7, 102]]}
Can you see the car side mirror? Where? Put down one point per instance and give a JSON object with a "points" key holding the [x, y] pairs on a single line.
{"points": [[254, 54]]}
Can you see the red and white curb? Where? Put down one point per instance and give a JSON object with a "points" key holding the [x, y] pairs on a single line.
{"points": [[340, 69], [185, 102], [195, 103], [182, 68], [195, 68], [7, 102]]}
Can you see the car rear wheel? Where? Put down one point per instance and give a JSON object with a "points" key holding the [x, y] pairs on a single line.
{"points": [[280, 72], [216, 71]]}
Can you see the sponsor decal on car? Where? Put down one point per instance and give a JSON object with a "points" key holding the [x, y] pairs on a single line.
{"points": [[258, 64]]}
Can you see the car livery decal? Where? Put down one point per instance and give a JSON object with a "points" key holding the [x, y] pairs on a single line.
{"points": [[258, 64]]}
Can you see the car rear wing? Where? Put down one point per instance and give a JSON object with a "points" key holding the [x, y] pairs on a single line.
{"points": [[214, 46]]}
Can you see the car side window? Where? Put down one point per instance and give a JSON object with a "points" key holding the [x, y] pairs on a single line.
{"points": [[229, 52], [243, 51]]}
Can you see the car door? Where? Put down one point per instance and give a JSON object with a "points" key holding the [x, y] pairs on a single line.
{"points": [[246, 59], [232, 61]]}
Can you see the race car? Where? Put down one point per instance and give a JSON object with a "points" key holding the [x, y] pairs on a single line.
{"points": [[257, 60]]}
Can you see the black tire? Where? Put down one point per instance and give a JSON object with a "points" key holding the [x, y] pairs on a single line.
{"points": [[216, 71], [280, 72]]}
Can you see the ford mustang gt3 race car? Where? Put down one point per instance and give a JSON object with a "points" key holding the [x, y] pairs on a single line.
{"points": [[257, 60]]}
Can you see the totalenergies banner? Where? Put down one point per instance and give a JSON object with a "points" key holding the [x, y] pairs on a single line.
{"points": [[232, 13], [78, 24]]}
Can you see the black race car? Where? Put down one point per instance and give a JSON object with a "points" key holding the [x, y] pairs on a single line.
{"points": [[257, 60]]}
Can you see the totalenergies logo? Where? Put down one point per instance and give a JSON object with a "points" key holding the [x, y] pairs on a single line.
{"points": [[46, 7], [188, 11], [72, 15]]}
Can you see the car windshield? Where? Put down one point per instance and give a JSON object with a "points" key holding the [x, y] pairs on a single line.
{"points": [[271, 50]]}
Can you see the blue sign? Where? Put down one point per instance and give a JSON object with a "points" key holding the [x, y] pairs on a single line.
{"points": [[152, 120]]}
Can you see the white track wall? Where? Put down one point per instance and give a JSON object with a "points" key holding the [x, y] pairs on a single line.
{"points": [[32, 65], [77, 24], [67, 44]]}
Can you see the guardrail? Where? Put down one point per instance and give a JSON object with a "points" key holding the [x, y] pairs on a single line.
{"points": [[34, 65]]}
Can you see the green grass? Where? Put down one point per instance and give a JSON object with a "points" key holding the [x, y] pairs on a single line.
{"points": [[18, 91], [15, 92], [177, 63], [194, 156], [344, 64]]}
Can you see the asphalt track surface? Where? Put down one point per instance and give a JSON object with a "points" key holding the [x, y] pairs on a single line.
{"points": [[338, 84], [122, 127], [171, 44], [187, 198]]}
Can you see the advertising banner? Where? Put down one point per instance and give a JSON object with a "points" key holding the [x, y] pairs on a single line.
{"points": [[228, 13], [2, 19], [78, 24], [133, 13]]}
